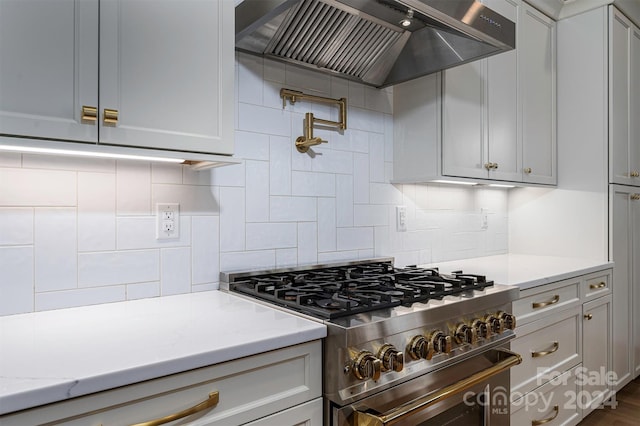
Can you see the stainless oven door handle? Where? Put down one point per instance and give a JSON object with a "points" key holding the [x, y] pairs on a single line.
{"points": [[396, 414]]}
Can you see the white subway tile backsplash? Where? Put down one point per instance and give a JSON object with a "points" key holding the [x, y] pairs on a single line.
{"points": [[361, 179], [376, 157], [370, 215], [250, 146], [307, 243], [139, 232], [274, 71], [280, 165], [16, 226], [363, 119], [250, 72], [329, 160], [55, 248], [307, 80], [205, 249], [96, 211], [193, 199], [261, 236], [326, 224], [313, 184], [232, 219], [337, 256], [382, 193], [16, 280], [79, 297], [356, 95], [175, 270], [293, 209], [119, 267], [286, 257], [257, 191], [133, 188], [142, 290], [355, 238], [344, 200], [259, 119], [166, 173], [235, 261], [234, 175], [25, 187]]}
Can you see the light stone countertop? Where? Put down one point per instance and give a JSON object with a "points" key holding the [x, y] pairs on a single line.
{"points": [[55, 355], [524, 271]]}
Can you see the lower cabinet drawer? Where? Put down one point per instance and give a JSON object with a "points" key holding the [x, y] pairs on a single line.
{"points": [[247, 389], [553, 404], [307, 414], [548, 347]]}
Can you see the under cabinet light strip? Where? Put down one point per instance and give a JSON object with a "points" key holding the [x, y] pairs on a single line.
{"points": [[454, 182], [94, 154]]}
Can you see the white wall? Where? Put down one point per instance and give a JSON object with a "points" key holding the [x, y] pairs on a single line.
{"points": [[78, 232]]}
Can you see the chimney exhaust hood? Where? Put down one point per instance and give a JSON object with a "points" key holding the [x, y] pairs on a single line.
{"points": [[375, 42]]}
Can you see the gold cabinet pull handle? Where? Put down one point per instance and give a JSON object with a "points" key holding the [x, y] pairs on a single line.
{"points": [[536, 305], [210, 402], [635, 174], [635, 197], [556, 346], [110, 116], [89, 113], [528, 170], [589, 316], [556, 410], [601, 284]]}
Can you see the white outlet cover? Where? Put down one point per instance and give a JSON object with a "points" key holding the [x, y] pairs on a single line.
{"points": [[167, 221]]}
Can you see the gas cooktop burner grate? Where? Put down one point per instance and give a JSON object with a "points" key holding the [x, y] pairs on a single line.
{"points": [[334, 292]]}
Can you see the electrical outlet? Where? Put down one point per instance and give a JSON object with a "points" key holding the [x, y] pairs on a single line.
{"points": [[401, 218], [167, 221], [484, 219]]}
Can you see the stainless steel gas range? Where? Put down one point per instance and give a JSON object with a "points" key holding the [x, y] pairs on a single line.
{"points": [[405, 346]]}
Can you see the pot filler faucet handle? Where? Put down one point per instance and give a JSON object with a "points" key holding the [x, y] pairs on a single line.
{"points": [[303, 143]]}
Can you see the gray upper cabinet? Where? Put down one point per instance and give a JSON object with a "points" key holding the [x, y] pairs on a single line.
{"points": [[537, 77], [119, 72], [490, 120], [624, 101]]}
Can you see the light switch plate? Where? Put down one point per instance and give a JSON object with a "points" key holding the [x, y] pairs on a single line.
{"points": [[401, 218]]}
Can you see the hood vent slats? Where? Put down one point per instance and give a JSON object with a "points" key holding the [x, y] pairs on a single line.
{"points": [[320, 34]]}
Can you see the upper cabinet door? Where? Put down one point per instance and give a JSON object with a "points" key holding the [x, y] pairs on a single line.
{"points": [[634, 137], [464, 149], [537, 46], [166, 74], [48, 68], [504, 149], [620, 99]]}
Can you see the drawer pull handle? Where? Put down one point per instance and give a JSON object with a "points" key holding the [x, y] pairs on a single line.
{"points": [[545, 353], [536, 305], [589, 316], [556, 410], [599, 285], [212, 401]]}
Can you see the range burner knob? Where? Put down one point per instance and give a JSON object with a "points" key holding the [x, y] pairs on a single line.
{"points": [[496, 325], [508, 319], [391, 358], [441, 342], [366, 366], [420, 348], [482, 329], [466, 334]]}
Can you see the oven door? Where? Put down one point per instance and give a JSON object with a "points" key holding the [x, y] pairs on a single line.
{"points": [[471, 392]]}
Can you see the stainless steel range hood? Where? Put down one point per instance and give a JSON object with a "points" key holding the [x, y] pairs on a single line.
{"points": [[364, 40]]}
